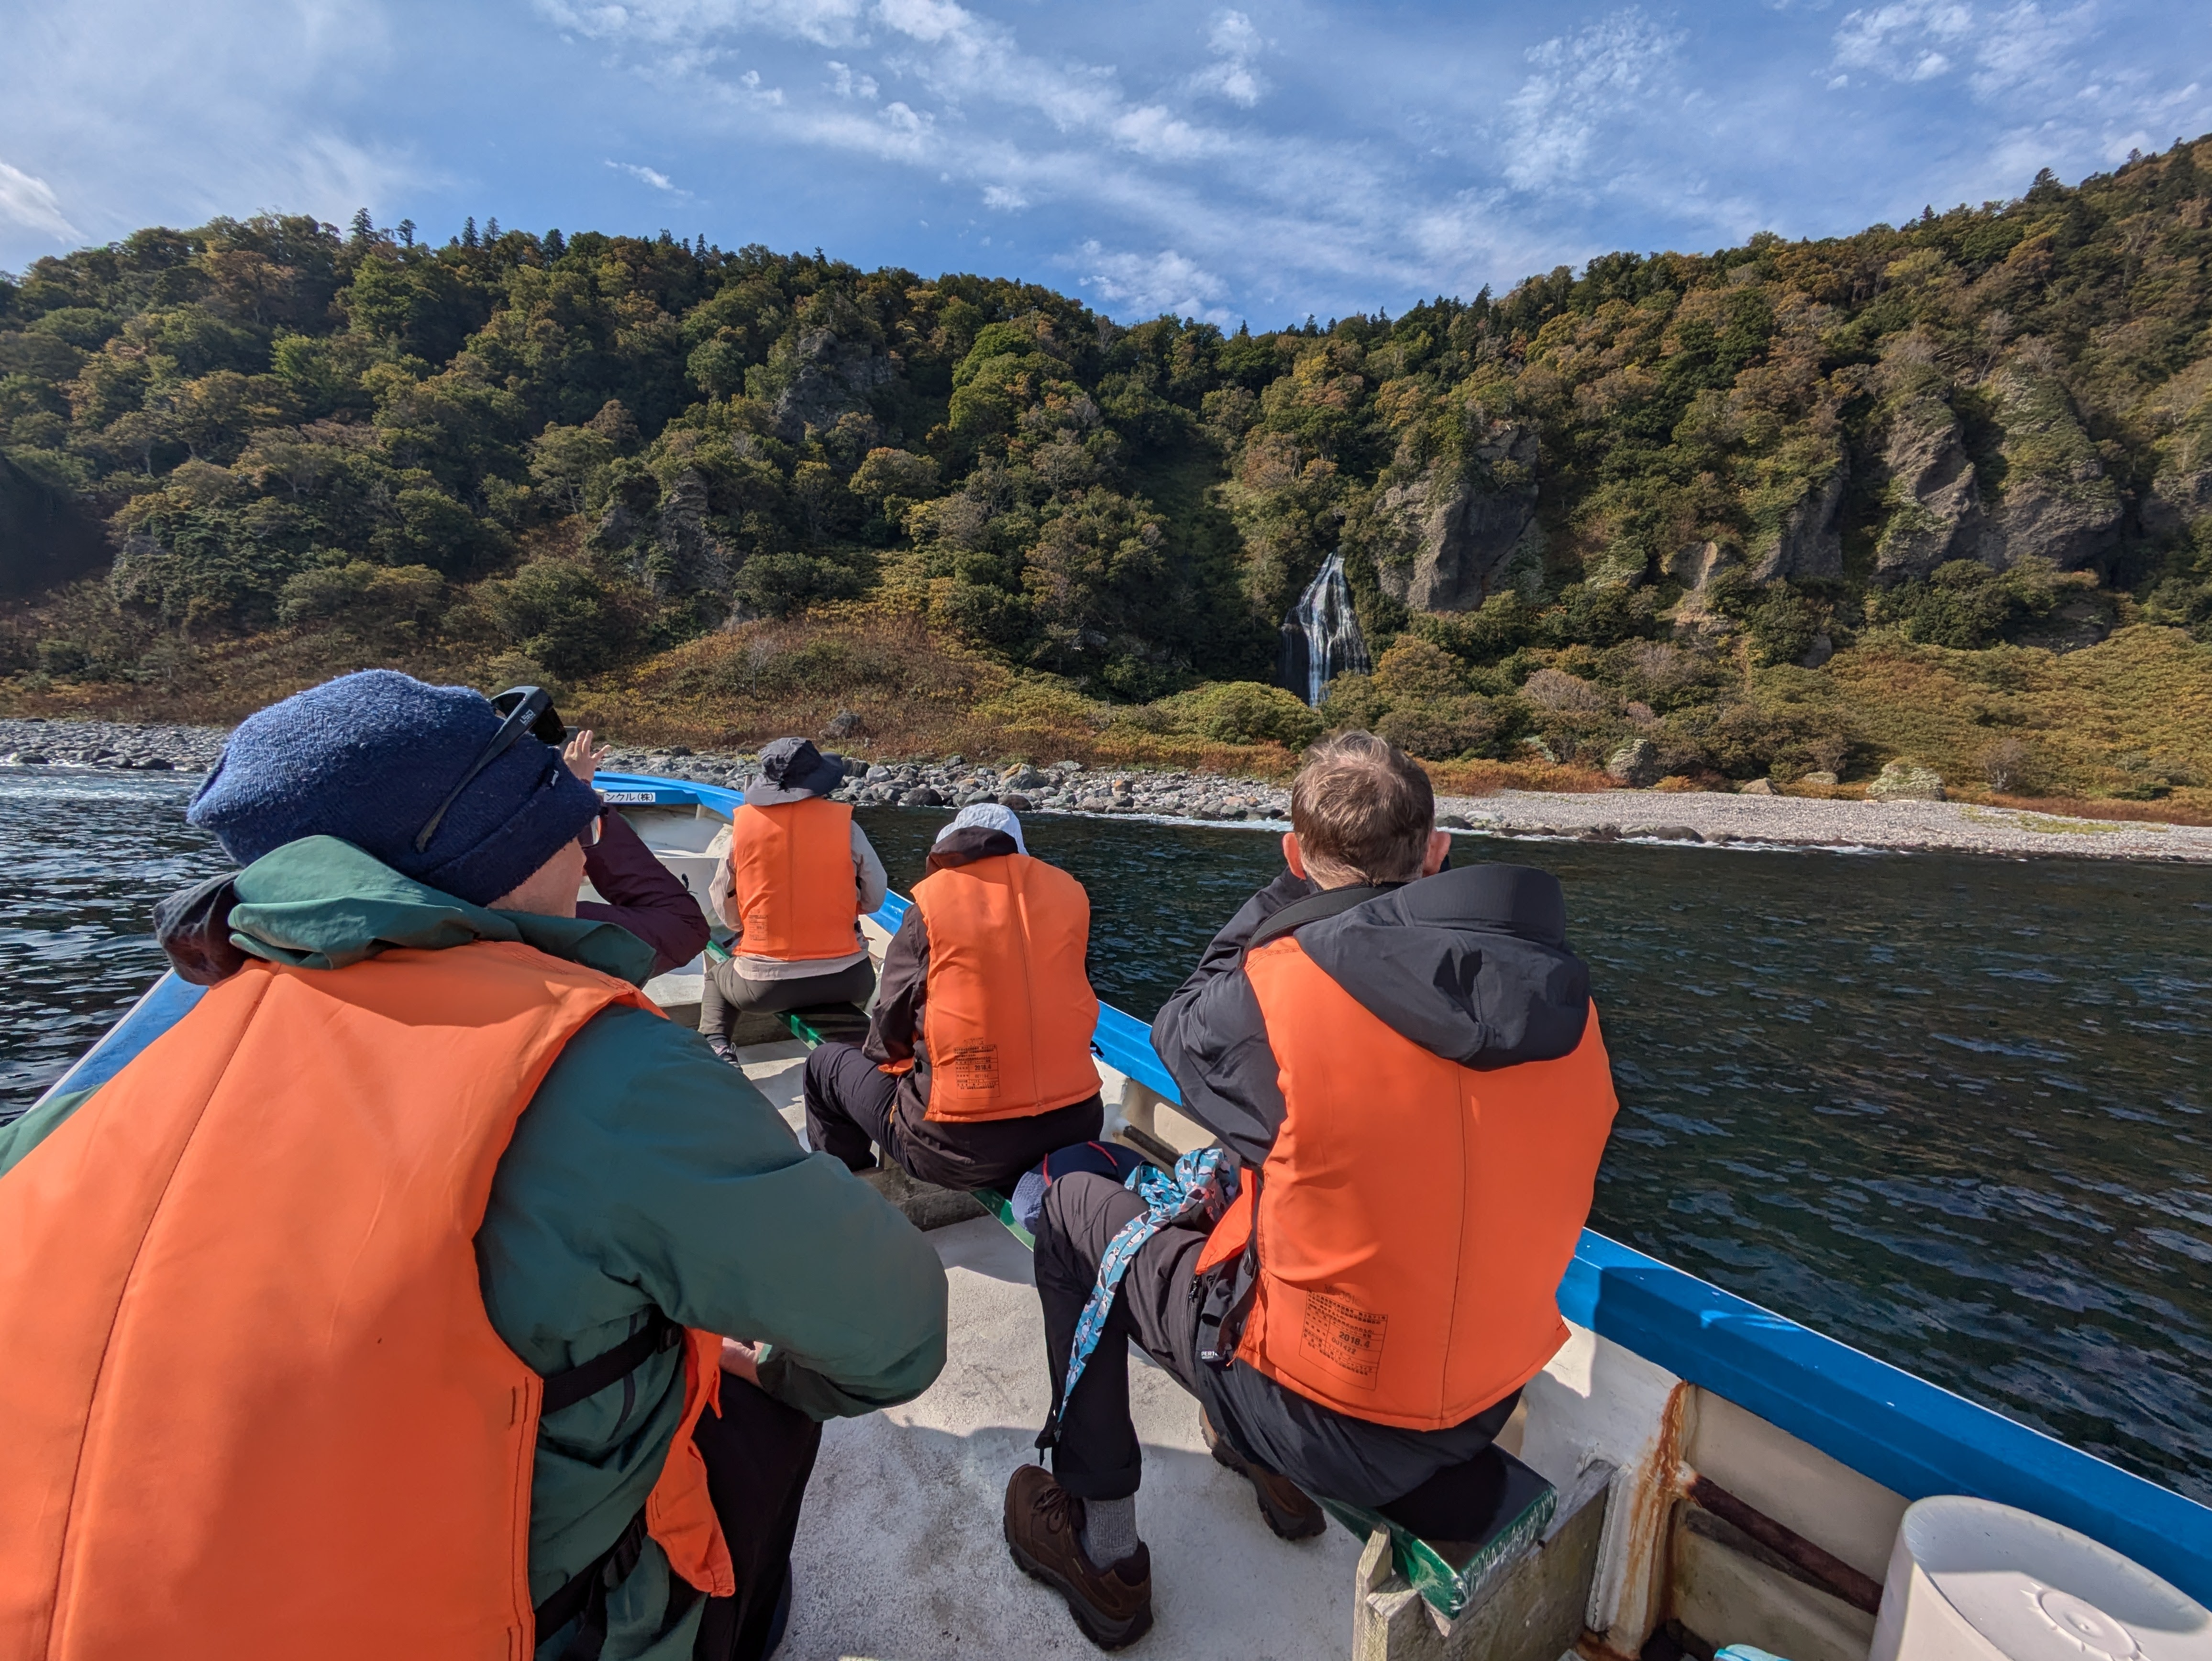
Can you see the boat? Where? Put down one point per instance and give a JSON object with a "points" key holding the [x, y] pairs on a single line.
{"points": [[1699, 1470]]}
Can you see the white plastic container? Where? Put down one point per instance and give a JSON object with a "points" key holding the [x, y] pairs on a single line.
{"points": [[1971, 1580]]}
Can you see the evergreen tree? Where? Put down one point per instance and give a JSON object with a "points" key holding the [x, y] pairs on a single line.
{"points": [[363, 229], [406, 232], [469, 232]]}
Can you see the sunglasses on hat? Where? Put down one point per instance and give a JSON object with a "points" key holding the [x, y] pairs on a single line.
{"points": [[527, 710]]}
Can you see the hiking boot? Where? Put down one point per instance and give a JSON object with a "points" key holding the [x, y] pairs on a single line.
{"points": [[1282, 1502], [1044, 1527]]}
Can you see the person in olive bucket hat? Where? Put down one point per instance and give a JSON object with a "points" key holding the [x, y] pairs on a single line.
{"points": [[800, 875]]}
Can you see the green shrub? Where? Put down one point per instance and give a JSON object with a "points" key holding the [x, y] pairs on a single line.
{"points": [[1244, 711], [1354, 703], [1965, 606], [368, 599], [1447, 729], [1416, 671], [566, 615], [777, 585]]}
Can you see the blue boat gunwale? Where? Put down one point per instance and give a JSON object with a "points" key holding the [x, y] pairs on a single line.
{"points": [[1891, 1426]]}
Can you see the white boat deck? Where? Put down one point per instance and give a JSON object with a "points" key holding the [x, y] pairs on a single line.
{"points": [[900, 1557]]}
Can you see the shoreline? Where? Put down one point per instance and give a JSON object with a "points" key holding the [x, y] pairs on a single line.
{"points": [[1691, 818]]}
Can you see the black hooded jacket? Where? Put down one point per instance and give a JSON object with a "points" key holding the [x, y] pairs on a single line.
{"points": [[1472, 964]]}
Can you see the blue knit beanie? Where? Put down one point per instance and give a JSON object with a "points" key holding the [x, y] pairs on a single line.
{"points": [[368, 758]]}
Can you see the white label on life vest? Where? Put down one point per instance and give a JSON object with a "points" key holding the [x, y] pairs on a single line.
{"points": [[1345, 1335], [975, 1070]]}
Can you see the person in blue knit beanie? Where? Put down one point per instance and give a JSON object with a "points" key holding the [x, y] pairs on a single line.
{"points": [[367, 758], [414, 1071]]}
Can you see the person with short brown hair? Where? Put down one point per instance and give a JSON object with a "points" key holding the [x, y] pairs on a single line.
{"points": [[1404, 1067], [1363, 811]]}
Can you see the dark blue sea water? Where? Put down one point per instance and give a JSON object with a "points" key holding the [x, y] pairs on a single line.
{"points": [[1956, 1111]]}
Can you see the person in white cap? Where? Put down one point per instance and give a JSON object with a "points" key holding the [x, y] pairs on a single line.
{"points": [[977, 1062]]}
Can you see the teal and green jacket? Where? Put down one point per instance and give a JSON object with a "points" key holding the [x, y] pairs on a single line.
{"points": [[645, 1172]]}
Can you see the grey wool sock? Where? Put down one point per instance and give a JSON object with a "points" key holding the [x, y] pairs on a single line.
{"points": [[1110, 1530]]}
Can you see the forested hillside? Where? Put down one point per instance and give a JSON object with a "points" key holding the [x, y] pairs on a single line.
{"points": [[1788, 509]]}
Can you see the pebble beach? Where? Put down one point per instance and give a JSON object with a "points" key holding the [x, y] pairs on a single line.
{"points": [[1708, 818]]}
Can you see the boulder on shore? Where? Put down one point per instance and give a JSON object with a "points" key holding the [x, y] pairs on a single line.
{"points": [[1636, 764], [1905, 781]]}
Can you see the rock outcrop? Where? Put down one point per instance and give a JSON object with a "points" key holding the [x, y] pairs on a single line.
{"points": [[1694, 566], [2058, 505], [1636, 764], [1935, 512], [1809, 543], [687, 557], [1451, 538], [832, 377], [2176, 501], [1905, 780], [2055, 504]]}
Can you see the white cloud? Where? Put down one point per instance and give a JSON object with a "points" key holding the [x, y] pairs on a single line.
{"points": [[1152, 283], [2027, 47], [2016, 47], [1237, 47], [658, 181], [846, 84], [137, 112], [817, 23], [1598, 76], [31, 203], [1911, 40]]}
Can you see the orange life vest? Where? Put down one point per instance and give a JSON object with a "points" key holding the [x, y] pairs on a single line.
{"points": [[253, 1404], [1007, 1011], [1414, 1216], [791, 873]]}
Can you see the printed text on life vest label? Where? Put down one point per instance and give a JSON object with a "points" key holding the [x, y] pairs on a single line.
{"points": [[1345, 1335]]}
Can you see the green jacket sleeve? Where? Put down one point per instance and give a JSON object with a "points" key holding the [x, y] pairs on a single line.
{"points": [[644, 1158]]}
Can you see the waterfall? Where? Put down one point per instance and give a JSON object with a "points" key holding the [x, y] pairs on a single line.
{"points": [[1320, 636]]}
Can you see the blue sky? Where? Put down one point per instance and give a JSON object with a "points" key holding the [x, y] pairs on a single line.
{"points": [[1258, 162]]}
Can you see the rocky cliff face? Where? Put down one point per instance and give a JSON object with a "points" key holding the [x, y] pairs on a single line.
{"points": [[2054, 503], [833, 376], [1809, 544], [1935, 512], [687, 558], [2058, 505], [2178, 502], [1451, 538]]}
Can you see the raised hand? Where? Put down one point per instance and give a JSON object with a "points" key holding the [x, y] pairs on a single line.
{"points": [[583, 760]]}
